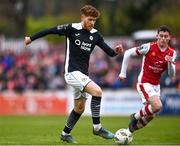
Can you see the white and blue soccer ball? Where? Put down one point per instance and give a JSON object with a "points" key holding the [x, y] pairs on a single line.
{"points": [[123, 137]]}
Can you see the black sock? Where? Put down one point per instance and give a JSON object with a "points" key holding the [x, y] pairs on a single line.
{"points": [[71, 121], [95, 109]]}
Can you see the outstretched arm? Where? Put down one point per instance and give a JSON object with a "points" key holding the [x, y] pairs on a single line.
{"points": [[40, 34], [111, 52], [141, 50], [127, 55], [60, 30]]}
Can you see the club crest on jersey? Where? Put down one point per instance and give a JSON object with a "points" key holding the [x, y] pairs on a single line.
{"points": [[153, 54], [91, 38]]}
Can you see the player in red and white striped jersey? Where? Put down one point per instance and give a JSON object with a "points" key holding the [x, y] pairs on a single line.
{"points": [[156, 58]]}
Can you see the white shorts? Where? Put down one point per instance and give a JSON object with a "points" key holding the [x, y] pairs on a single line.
{"points": [[147, 90], [77, 81]]}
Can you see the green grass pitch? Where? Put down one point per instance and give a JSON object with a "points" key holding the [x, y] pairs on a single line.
{"points": [[44, 130]]}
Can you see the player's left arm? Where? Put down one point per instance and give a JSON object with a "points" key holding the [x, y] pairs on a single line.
{"points": [[111, 52], [171, 64]]}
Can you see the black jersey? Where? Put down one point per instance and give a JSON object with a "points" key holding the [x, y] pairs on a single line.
{"points": [[79, 45]]}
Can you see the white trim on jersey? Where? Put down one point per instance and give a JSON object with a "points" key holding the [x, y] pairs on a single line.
{"points": [[142, 70], [67, 56], [143, 50], [77, 26], [93, 30]]}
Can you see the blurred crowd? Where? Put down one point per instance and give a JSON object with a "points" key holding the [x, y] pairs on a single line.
{"points": [[43, 70], [28, 70]]}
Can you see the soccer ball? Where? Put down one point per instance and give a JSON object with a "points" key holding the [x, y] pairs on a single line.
{"points": [[123, 137]]}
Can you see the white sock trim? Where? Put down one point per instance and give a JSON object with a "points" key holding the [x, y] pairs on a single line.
{"points": [[97, 126], [64, 133]]}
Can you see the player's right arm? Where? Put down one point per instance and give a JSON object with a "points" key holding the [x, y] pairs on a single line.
{"points": [[128, 53], [141, 50], [60, 30]]}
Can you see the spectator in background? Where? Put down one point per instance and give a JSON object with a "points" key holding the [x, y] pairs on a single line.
{"points": [[23, 71], [99, 66]]}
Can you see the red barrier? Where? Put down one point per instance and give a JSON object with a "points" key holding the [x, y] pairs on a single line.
{"points": [[35, 103]]}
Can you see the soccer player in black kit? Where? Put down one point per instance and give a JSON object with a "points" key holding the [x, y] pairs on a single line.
{"points": [[81, 38]]}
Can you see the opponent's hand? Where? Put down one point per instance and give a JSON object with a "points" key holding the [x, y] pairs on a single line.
{"points": [[122, 79], [169, 59], [27, 40], [119, 49]]}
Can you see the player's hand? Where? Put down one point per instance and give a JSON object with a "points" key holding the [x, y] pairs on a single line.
{"points": [[122, 79], [27, 40], [119, 49], [169, 59]]}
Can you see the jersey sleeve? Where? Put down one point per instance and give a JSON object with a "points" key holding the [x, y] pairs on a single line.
{"points": [[128, 53], [105, 47], [60, 30], [174, 56], [172, 65], [143, 49], [64, 29]]}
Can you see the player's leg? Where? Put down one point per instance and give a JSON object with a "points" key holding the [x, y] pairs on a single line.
{"points": [[145, 115], [150, 96], [144, 121], [96, 92], [79, 106], [154, 105], [77, 81], [141, 118]]}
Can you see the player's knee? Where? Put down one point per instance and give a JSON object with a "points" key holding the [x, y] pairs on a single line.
{"points": [[98, 92], [80, 108], [157, 107]]}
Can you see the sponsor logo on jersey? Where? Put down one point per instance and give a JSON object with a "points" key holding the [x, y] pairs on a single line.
{"points": [[84, 46], [78, 42], [155, 69]]}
